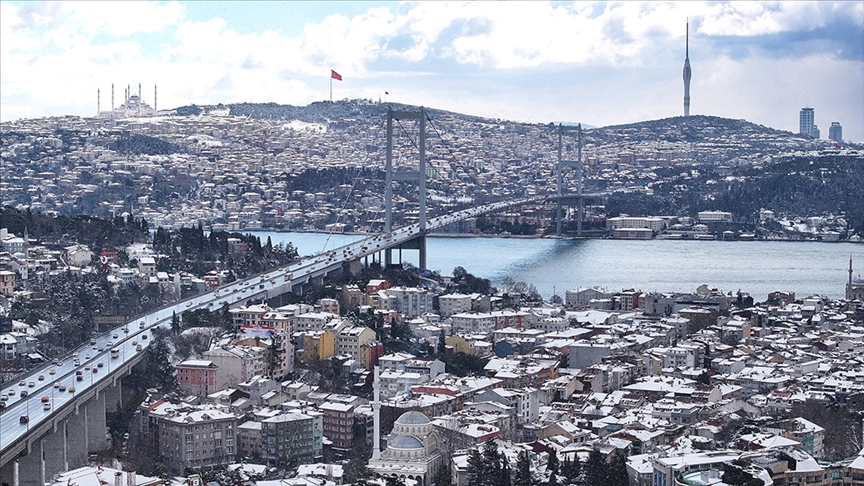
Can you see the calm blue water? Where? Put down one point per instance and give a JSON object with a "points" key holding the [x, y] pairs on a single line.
{"points": [[757, 267]]}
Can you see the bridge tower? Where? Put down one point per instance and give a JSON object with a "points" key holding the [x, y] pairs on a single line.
{"points": [[419, 176], [570, 163]]}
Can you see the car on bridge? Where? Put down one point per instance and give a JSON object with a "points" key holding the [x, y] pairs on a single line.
{"points": [[23, 419]]}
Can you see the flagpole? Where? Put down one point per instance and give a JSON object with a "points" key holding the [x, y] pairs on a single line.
{"points": [[331, 87]]}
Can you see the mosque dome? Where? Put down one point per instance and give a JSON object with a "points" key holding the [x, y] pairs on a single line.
{"points": [[412, 418], [406, 442]]}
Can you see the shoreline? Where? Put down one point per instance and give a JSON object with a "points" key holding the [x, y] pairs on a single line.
{"points": [[548, 237]]}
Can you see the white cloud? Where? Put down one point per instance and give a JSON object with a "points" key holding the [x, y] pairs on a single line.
{"points": [[614, 63]]}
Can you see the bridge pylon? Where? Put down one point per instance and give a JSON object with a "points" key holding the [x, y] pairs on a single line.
{"points": [[419, 177], [570, 163]]}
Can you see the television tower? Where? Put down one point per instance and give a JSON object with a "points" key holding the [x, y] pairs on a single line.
{"points": [[687, 72]]}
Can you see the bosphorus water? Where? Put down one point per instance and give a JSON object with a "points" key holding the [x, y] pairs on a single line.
{"points": [[556, 265]]}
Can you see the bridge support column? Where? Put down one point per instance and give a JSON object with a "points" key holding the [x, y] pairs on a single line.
{"points": [[113, 397], [54, 452], [77, 448], [421, 243], [95, 423], [30, 468], [9, 474], [354, 266]]}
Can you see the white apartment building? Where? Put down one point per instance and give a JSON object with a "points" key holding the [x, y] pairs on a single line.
{"points": [[410, 301], [453, 304], [714, 216], [236, 364], [633, 222]]}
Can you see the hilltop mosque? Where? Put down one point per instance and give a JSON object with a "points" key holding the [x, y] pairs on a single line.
{"points": [[413, 450], [133, 105]]}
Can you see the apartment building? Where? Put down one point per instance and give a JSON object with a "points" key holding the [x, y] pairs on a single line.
{"points": [[288, 439], [197, 377]]}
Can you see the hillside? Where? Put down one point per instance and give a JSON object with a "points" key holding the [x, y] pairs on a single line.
{"points": [[279, 166]]}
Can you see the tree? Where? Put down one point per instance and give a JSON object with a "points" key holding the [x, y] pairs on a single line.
{"points": [[175, 322], [476, 468], [443, 476], [523, 475], [571, 470], [595, 468], [442, 344], [617, 472]]}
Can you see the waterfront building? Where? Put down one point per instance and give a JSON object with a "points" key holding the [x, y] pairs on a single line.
{"points": [[714, 216]]}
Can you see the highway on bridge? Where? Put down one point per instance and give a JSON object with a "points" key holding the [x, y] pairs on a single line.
{"points": [[50, 387]]}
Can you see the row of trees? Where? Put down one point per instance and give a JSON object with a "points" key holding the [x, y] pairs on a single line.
{"points": [[86, 230], [487, 466], [191, 250]]}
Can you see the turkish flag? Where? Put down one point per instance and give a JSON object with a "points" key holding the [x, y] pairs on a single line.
{"points": [[335, 75]]}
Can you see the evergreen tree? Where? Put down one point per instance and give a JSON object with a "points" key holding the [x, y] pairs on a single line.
{"points": [[617, 472], [442, 344], [476, 468], [523, 475], [595, 469], [552, 463], [175, 322], [442, 476]]}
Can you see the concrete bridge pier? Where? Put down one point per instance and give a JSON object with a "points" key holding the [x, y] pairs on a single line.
{"points": [[352, 267], [31, 470], [10, 473], [113, 396], [77, 448], [421, 245], [96, 424], [54, 451]]}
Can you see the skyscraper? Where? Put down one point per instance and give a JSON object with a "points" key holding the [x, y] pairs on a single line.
{"points": [[687, 72], [806, 122], [835, 132]]}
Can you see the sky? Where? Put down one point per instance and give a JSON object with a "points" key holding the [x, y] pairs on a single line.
{"points": [[603, 63]]}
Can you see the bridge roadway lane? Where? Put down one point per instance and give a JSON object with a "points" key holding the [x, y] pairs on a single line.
{"points": [[127, 337]]}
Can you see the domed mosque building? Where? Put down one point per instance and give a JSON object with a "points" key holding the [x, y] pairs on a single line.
{"points": [[413, 451]]}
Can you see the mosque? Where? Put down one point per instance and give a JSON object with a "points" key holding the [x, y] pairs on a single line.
{"points": [[133, 105], [413, 447]]}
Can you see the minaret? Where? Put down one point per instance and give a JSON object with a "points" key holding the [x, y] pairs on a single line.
{"points": [[154, 97], [849, 284], [98, 101], [376, 409], [112, 97], [687, 72]]}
